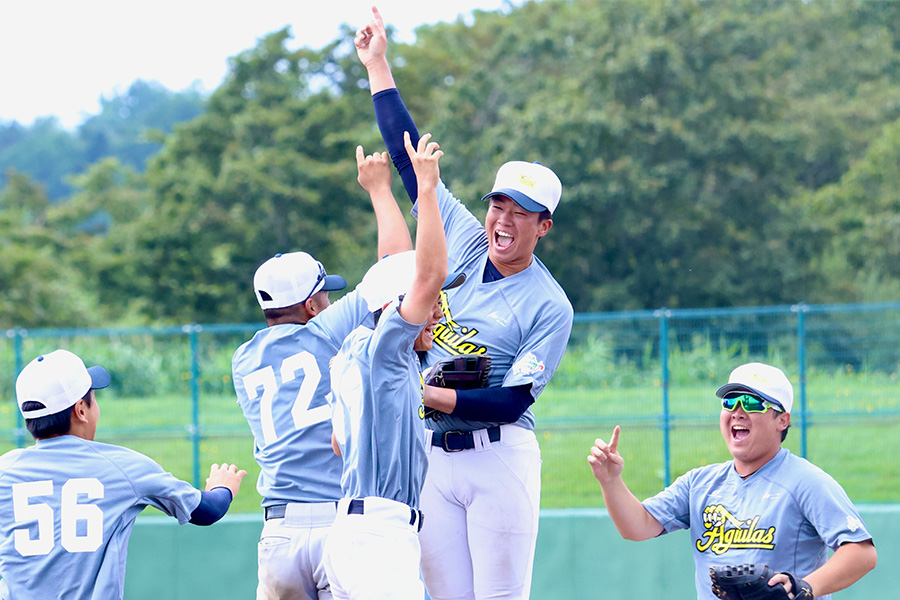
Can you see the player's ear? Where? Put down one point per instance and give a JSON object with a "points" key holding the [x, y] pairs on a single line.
{"points": [[80, 411], [544, 227], [784, 421]]}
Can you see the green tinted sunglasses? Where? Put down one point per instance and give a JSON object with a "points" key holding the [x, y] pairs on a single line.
{"points": [[750, 404]]}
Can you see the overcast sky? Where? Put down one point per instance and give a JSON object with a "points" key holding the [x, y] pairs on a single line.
{"points": [[58, 57]]}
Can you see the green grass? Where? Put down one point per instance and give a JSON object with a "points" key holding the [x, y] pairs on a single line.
{"points": [[851, 434]]}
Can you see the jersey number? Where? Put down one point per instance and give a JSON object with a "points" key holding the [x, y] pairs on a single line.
{"points": [[301, 413], [71, 512]]}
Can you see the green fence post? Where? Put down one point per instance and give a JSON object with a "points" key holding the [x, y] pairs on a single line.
{"points": [[18, 334], [195, 401], [663, 315], [801, 310]]}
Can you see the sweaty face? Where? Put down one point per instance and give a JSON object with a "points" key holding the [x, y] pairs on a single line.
{"points": [[513, 233], [752, 438], [425, 339]]}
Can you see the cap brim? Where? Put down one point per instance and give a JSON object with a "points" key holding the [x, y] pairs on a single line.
{"points": [[740, 387], [519, 198], [454, 280], [333, 283], [99, 377]]}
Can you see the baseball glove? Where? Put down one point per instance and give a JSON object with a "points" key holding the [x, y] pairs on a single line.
{"points": [[463, 372], [751, 582]]}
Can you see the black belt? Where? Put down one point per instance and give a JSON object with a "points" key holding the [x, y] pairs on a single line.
{"points": [[454, 441], [275, 512], [357, 506]]}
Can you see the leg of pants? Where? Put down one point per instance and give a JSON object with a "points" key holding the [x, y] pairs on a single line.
{"points": [[481, 518], [375, 555], [291, 551]]}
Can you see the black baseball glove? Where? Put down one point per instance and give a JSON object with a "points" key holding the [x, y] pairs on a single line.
{"points": [[751, 582], [463, 372]]}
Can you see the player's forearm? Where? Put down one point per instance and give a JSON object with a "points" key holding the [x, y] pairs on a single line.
{"points": [[393, 234], [846, 566], [438, 398], [631, 519], [393, 119], [213, 506], [431, 244], [380, 76]]}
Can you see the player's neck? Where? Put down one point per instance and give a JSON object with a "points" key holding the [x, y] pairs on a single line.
{"points": [[511, 268]]}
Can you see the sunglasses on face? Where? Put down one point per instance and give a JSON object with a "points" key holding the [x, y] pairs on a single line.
{"points": [[750, 404]]}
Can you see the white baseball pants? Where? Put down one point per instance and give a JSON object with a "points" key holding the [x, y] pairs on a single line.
{"points": [[291, 552], [482, 507]]}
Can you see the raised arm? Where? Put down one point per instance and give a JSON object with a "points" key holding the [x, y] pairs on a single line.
{"points": [[631, 519], [391, 114], [431, 245], [374, 175]]}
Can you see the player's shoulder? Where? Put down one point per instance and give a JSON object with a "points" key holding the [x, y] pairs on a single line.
{"points": [[801, 470], [9, 459], [550, 287]]}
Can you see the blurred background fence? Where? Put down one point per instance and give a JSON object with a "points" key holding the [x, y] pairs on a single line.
{"points": [[652, 372]]}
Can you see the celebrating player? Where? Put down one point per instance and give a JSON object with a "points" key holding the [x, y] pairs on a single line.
{"points": [[764, 506], [68, 503], [373, 550], [482, 491], [281, 377]]}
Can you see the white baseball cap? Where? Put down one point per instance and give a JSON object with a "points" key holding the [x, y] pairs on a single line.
{"points": [[533, 186], [765, 381], [392, 276], [57, 380], [288, 279]]}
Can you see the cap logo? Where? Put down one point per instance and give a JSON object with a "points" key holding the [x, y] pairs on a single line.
{"points": [[526, 180]]}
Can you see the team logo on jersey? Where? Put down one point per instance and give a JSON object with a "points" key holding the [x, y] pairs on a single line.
{"points": [[422, 392], [726, 532], [853, 523], [528, 365], [453, 337]]}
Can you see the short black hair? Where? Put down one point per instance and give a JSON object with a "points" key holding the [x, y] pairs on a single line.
{"points": [[50, 425], [545, 215]]}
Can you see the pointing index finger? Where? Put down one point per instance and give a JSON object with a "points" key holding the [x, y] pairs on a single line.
{"points": [[614, 441]]}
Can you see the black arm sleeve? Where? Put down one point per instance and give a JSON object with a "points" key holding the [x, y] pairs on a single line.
{"points": [[213, 506], [497, 405], [393, 119]]}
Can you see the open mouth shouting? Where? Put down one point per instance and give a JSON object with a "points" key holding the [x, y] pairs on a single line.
{"points": [[502, 239]]}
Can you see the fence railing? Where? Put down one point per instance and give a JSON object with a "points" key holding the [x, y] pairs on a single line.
{"points": [[654, 372]]}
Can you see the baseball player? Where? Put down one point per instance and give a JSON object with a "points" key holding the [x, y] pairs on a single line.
{"points": [[281, 378], [764, 506], [373, 551], [68, 503], [482, 491]]}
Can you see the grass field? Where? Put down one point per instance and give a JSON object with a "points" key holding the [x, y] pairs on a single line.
{"points": [[852, 433]]}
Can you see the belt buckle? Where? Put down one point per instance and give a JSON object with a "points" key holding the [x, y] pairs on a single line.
{"points": [[444, 438]]}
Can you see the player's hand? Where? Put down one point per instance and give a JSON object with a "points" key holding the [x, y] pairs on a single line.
{"points": [[371, 40], [225, 476], [424, 160], [374, 171], [605, 460]]}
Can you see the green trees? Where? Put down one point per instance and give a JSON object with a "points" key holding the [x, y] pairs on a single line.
{"points": [[712, 154]]}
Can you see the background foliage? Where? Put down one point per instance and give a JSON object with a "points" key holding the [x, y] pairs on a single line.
{"points": [[712, 154]]}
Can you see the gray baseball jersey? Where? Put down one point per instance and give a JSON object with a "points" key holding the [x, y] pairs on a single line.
{"points": [[522, 321], [786, 515], [378, 413], [281, 378], [67, 506]]}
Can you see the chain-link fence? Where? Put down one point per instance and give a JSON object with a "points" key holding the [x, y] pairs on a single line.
{"points": [[654, 373]]}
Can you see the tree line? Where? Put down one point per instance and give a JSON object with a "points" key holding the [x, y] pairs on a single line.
{"points": [[712, 154]]}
